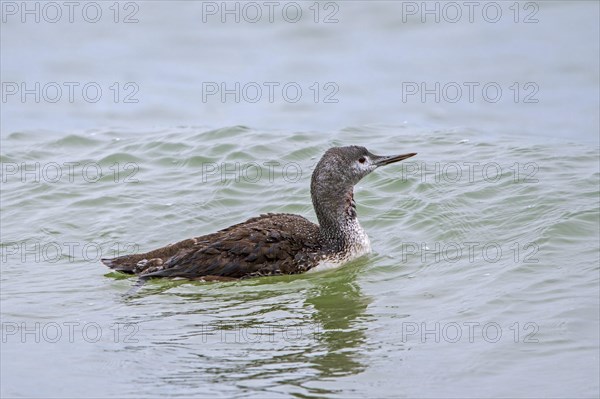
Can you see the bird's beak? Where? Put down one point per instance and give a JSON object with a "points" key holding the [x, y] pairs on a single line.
{"points": [[386, 160]]}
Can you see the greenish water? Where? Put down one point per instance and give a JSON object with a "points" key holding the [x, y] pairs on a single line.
{"points": [[481, 283]]}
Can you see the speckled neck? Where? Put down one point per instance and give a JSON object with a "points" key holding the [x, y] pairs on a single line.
{"points": [[339, 229]]}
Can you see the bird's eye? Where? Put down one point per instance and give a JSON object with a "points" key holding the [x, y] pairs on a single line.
{"points": [[362, 160]]}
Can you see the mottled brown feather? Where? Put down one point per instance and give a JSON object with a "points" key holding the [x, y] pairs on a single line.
{"points": [[269, 244]]}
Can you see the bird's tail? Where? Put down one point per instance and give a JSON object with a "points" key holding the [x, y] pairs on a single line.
{"points": [[125, 264]]}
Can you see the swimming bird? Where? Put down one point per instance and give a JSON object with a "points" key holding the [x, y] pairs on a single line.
{"points": [[275, 243]]}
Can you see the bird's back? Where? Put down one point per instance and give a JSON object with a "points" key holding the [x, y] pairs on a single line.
{"points": [[270, 244]]}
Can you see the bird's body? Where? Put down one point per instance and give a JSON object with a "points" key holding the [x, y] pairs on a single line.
{"points": [[275, 243]]}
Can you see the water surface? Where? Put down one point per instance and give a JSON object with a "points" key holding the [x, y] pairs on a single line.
{"points": [[482, 283]]}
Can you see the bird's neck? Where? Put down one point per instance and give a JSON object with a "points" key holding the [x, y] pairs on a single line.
{"points": [[338, 222]]}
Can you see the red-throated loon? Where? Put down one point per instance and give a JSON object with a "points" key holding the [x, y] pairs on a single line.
{"points": [[275, 243]]}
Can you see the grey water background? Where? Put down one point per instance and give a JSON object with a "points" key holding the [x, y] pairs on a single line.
{"points": [[484, 277]]}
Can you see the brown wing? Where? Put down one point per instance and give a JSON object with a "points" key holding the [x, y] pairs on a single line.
{"points": [[155, 260], [265, 245]]}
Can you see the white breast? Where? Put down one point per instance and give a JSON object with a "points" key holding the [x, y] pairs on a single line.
{"points": [[361, 245]]}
